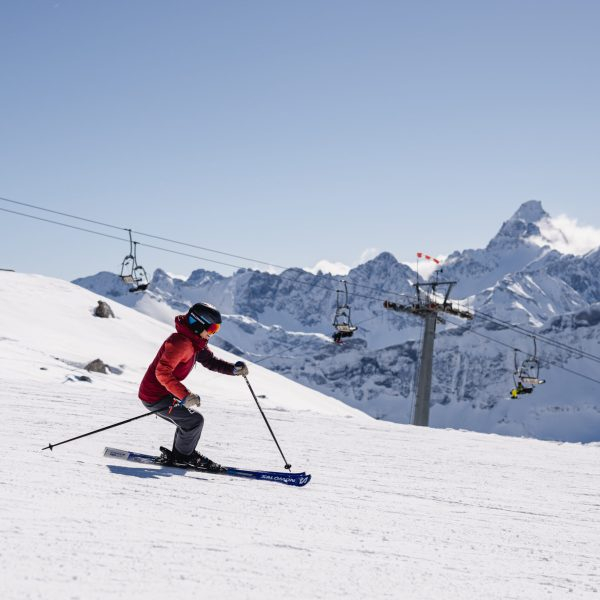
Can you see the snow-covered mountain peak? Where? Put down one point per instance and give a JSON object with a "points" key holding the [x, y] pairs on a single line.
{"points": [[384, 259], [523, 239], [522, 227], [532, 225], [201, 276], [160, 276], [385, 265], [531, 211]]}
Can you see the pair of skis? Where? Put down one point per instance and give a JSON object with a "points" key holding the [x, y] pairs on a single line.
{"points": [[296, 479]]}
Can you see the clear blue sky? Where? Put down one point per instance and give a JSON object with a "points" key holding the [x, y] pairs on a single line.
{"points": [[292, 131]]}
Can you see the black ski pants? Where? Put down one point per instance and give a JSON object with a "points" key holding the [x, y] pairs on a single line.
{"points": [[188, 424]]}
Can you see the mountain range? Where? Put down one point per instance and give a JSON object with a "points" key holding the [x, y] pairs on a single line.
{"points": [[529, 299]]}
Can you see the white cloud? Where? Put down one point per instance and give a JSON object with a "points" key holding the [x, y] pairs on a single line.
{"points": [[564, 234], [339, 268], [326, 266], [270, 269]]}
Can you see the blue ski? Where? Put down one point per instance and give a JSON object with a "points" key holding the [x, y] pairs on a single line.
{"points": [[297, 479]]}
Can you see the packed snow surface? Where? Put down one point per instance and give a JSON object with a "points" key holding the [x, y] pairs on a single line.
{"points": [[392, 511]]}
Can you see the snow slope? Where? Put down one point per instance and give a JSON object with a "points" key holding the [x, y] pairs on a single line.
{"points": [[392, 511]]}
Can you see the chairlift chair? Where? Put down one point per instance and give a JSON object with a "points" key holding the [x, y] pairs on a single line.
{"points": [[527, 373], [140, 279], [342, 321], [132, 273]]}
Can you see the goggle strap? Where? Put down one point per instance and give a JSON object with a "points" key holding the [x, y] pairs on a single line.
{"points": [[210, 327]]}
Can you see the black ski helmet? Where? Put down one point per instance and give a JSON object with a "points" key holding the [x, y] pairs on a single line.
{"points": [[201, 316]]}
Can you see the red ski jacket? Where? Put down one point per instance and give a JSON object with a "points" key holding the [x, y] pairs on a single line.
{"points": [[175, 360]]}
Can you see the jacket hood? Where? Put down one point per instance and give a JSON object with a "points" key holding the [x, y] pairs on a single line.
{"points": [[183, 328]]}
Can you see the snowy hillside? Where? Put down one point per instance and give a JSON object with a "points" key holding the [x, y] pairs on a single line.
{"points": [[393, 511], [54, 319], [285, 322]]}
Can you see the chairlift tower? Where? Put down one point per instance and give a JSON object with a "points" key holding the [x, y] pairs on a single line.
{"points": [[428, 305]]}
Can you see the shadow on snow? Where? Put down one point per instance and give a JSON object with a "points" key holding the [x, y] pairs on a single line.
{"points": [[146, 472]]}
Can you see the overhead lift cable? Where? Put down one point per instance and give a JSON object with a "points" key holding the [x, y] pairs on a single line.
{"points": [[545, 339], [501, 343], [178, 242], [484, 316], [294, 280]]}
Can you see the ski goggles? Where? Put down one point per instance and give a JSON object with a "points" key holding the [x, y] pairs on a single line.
{"points": [[210, 328]]}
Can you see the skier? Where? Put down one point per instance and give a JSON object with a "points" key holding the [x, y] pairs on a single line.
{"points": [[520, 389], [338, 335], [162, 387]]}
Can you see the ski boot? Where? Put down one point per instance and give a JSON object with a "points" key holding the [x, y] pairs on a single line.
{"points": [[194, 460], [203, 463]]}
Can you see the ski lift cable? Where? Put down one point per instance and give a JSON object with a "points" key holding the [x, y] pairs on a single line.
{"points": [[164, 239], [122, 239], [114, 237], [172, 241], [294, 280], [63, 214], [524, 331], [545, 339], [253, 260], [14, 212], [376, 316], [516, 328], [542, 360]]}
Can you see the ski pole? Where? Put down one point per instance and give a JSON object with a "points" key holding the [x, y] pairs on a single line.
{"points": [[287, 465], [50, 446]]}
